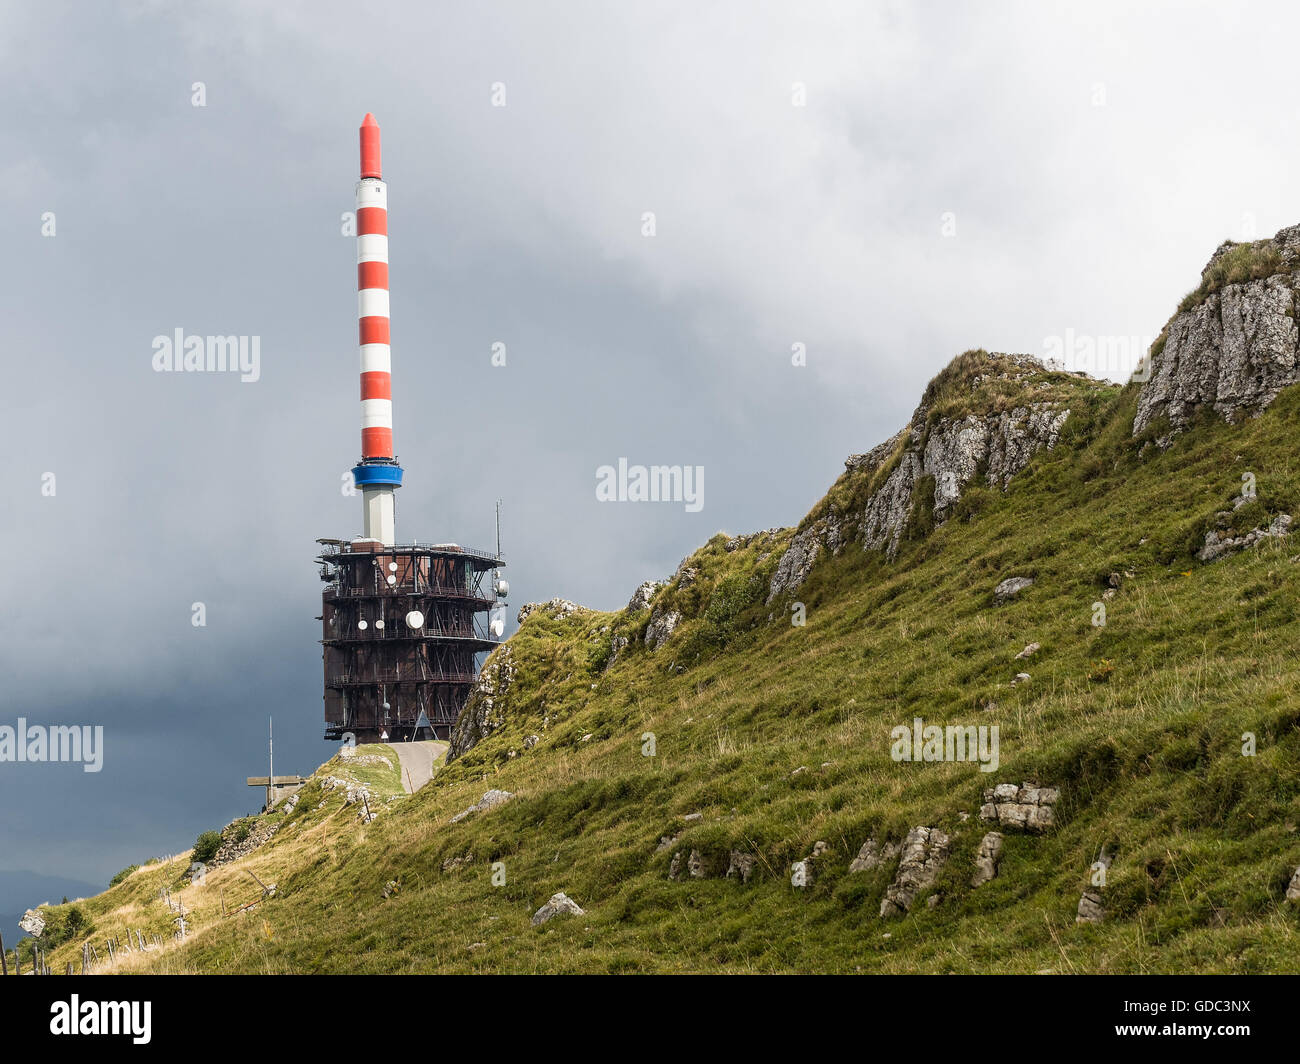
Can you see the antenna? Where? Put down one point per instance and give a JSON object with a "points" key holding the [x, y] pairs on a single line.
{"points": [[498, 528], [270, 790]]}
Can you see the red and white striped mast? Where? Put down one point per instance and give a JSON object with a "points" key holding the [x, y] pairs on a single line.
{"points": [[377, 475]]}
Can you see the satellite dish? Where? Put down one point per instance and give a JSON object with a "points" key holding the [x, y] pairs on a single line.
{"points": [[387, 707], [497, 626], [362, 625], [392, 579], [415, 619], [379, 624], [392, 567], [503, 588]]}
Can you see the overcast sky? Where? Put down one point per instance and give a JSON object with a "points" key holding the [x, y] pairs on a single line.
{"points": [[987, 175]]}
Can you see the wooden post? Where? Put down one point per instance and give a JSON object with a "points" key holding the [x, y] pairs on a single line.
{"points": [[69, 972], [4, 961], [109, 946]]}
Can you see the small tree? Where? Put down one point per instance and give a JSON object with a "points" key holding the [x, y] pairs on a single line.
{"points": [[206, 846]]}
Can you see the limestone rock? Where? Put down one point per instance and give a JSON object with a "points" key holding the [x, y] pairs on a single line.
{"points": [[558, 903], [489, 800], [925, 850], [872, 855], [641, 597], [33, 922], [1293, 888], [1010, 588], [661, 626], [1217, 546], [741, 865], [1027, 807], [987, 858], [1234, 352], [485, 709], [1029, 651], [1092, 909]]}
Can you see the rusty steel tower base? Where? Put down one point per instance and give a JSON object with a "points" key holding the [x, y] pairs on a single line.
{"points": [[401, 631]]}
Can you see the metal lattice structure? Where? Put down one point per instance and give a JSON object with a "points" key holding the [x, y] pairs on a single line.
{"points": [[401, 631]]}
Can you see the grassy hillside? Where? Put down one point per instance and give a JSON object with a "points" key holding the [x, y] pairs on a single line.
{"points": [[779, 735]]}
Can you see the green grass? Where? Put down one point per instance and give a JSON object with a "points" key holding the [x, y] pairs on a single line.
{"points": [[1149, 762], [1239, 264]]}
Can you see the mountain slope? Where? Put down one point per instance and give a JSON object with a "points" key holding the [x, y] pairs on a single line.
{"points": [[703, 730]]}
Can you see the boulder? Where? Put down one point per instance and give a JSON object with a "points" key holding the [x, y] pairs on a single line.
{"points": [[1026, 807], [490, 800], [987, 859], [1010, 588], [558, 903]]}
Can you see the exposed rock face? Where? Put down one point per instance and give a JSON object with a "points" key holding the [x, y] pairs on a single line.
{"points": [[993, 445], [953, 452], [1293, 888], [489, 800], [33, 922], [1234, 352], [987, 859], [924, 852], [1026, 807], [641, 597], [1010, 588], [825, 534], [872, 855], [485, 709], [558, 903], [662, 623]]}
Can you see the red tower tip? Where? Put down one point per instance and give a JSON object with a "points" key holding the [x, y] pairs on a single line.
{"points": [[370, 165]]}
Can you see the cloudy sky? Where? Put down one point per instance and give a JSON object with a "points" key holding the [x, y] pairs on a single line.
{"points": [[885, 184]]}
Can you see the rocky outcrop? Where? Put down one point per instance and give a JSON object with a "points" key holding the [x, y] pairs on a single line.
{"points": [[485, 709], [661, 626], [1235, 350], [987, 859], [941, 455], [824, 535], [925, 850], [237, 843], [1221, 545], [490, 800], [1293, 888], [953, 452], [559, 608], [558, 903], [641, 597], [1026, 807]]}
